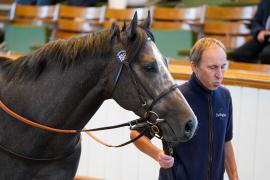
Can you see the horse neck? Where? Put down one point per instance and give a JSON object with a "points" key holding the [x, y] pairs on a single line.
{"points": [[65, 99], [60, 99]]}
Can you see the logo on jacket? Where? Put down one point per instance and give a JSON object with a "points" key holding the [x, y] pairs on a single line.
{"points": [[221, 115]]}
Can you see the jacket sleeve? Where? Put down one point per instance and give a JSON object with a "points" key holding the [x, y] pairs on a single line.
{"points": [[229, 130], [258, 20]]}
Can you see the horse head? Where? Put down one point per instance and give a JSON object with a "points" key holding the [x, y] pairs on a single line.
{"points": [[142, 83]]}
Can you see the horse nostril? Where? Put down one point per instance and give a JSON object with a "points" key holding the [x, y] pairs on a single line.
{"points": [[188, 129]]}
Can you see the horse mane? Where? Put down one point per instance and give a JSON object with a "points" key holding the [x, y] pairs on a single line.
{"points": [[63, 53], [67, 53]]}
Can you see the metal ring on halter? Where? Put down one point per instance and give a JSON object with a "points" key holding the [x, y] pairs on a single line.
{"points": [[154, 129], [153, 112], [157, 120], [147, 114], [131, 126]]}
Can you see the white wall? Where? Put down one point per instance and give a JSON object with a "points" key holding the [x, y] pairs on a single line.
{"points": [[251, 141], [252, 132]]}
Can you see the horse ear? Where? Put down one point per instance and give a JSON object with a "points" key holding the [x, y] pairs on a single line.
{"points": [[131, 30], [124, 26], [147, 22], [115, 31]]}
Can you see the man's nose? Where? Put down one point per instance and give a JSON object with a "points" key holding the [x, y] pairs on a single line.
{"points": [[220, 73]]}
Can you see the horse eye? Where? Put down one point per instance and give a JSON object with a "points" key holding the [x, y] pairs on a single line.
{"points": [[150, 67]]}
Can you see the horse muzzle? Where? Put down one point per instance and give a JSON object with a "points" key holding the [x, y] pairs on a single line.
{"points": [[176, 134]]}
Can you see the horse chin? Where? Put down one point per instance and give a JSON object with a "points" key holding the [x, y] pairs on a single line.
{"points": [[175, 139], [170, 136]]}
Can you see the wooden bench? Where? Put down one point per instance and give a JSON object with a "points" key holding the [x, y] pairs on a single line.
{"points": [[77, 20], [120, 15], [33, 14], [176, 18], [228, 24]]}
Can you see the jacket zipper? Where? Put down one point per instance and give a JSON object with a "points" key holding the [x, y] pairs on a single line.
{"points": [[210, 138]]}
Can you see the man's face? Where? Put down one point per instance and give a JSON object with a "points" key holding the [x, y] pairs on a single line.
{"points": [[210, 70]]}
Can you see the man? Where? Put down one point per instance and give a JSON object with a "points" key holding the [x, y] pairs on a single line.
{"points": [[258, 48], [210, 150]]}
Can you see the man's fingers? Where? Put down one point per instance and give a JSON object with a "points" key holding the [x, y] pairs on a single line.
{"points": [[166, 157], [167, 164], [165, 161]]}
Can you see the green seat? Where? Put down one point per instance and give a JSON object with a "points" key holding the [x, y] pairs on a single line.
{"points": [[25, 38], [170, 42]]}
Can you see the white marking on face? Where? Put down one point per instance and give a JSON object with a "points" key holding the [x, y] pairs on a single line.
{"points": [[159, 58], [169, 79]]}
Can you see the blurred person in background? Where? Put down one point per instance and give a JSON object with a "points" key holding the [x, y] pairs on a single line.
{"points": [[257, 50]]}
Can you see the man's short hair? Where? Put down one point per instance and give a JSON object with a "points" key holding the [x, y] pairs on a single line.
{"points": [[201, 45]]}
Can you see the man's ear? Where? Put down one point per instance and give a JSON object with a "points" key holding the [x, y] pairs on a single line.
{"points": [[193, 65]]}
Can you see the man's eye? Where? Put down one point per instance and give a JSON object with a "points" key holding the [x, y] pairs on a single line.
{"points": [[212, 67]]}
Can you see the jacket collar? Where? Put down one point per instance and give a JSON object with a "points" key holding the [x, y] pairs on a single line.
{"points": [[195, 83]]}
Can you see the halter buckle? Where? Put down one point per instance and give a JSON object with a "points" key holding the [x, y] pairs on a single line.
{"points": [[154, 129]]}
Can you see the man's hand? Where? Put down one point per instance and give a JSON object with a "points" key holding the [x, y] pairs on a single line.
{"points": [[165, 161], [261, 35]]}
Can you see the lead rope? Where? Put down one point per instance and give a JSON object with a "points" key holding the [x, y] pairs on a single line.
{"points": [[67, 131], [34, 124], [120, 145], [132, 124]]}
